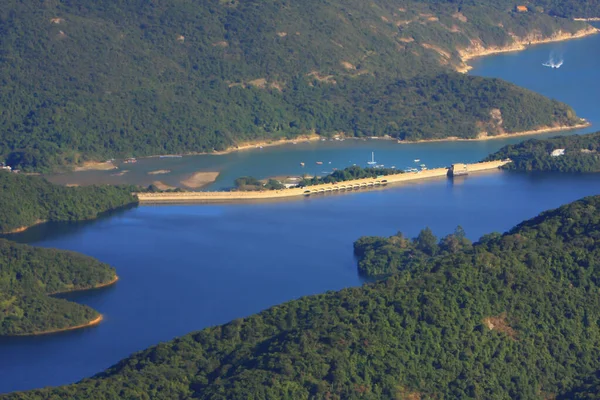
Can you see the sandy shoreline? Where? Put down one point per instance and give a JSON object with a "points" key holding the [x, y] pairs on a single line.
{"points": [[98, 286], [95, 166], [199, 179], [592, 19], [518, 45], [93, 322], [24, 228], [269, 143], [532, 132]]}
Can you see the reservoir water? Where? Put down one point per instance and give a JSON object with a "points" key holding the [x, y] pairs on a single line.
{"points": [[184, 268], [575, 83]]}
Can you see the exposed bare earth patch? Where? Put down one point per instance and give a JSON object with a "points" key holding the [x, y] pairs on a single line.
{"points": [[438, 50], [322, 78], [499, 323], [406, 394], [460, 16], [403, 22], [347, 65], [259, 83]]}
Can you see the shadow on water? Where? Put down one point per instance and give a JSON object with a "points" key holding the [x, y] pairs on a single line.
{"points": [[47, 230]]}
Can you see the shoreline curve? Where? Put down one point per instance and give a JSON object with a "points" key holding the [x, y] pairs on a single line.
{"points": [[89, 324], [519, 44], [114, 280], [531, 132]]}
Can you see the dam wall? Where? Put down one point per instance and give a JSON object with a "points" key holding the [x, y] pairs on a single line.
{"points": [[346, 186]]}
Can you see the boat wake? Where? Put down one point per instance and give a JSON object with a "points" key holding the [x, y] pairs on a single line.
{"points": [[552, 63]]}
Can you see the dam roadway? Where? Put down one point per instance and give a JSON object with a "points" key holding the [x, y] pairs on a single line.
{"points": [[346, 186]]}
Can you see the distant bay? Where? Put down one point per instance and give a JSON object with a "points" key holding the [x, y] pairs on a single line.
{"points": [[575, 83]]}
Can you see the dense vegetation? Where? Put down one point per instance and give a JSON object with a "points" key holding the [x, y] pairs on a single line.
{"points": [[27, 200], [348, 174], [512, 316], [559, 8], [250, 183], [28, 275], [379, 257], [581, 154], [109, 78]]}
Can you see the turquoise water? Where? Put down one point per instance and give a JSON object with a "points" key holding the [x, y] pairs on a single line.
{"points": [[184, 268], [285, 160]]}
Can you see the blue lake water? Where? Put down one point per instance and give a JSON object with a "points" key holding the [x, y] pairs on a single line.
{"points": [[184, 268]]}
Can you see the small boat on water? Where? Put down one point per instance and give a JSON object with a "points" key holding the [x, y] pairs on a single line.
{"points": [[417, 160], [130, 161], [302, 164], [319, 162], [372, 162]]}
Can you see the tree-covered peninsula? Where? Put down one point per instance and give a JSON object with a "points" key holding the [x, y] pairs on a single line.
{"points": [[28, 275], [348, 174], [29, 200], [112, 78], [514, 315], [250, 183], [576, 153]]}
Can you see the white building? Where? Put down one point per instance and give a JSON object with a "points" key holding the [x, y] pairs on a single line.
{"points": [[557, 152]]}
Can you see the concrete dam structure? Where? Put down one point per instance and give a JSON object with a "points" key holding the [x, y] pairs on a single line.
{"points": [[346, 186]]}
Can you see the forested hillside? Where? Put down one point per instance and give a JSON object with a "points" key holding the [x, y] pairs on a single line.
{"points": [[28, 200], [380, 257], [113, 78], [560, 8], [28, 275], [512, 316], [581, 154]]}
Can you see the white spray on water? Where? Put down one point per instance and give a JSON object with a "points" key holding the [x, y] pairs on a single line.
{"points": [[554, 61]]}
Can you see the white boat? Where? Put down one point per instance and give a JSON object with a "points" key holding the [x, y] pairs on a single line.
{"points": [[417, 160], [372, 162]]}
